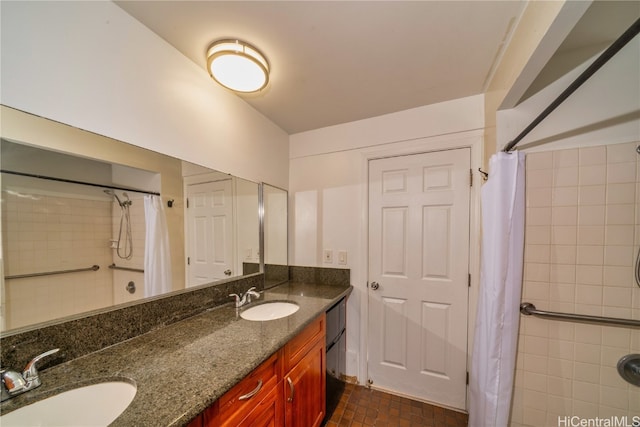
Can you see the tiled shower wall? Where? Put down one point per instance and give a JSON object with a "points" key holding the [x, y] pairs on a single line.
{"points": [[49, 233], [582, 235], [43, 232]]}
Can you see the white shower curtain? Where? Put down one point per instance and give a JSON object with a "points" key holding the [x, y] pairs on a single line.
{"points": [[496, 335], [157, 254]]}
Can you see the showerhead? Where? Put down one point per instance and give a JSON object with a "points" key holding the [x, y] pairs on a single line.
{"points": [[113, 194]]}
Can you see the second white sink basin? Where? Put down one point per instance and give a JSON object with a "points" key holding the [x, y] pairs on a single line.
{"points": [[270, 311], [94, 405]]}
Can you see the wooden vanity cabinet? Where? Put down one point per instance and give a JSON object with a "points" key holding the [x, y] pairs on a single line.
{"points": [[304, 390], [288, 389], [304, 382]]}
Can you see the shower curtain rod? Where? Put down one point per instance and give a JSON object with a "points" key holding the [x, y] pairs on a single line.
{"points": [[615, 47], [71, 181]]}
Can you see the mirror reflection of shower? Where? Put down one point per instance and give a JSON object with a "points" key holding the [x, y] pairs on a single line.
{"points": [[124, 246]]}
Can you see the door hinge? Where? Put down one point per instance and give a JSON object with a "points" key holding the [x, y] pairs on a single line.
{"points": [[469, 280], [187, 203], [470, 177], [188, 260], [467, 377]]}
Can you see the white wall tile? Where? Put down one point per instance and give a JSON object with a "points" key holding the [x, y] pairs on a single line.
{"points": [[539, 197], [589, 295], [593, 156], [590, 235], [589, 195], [590, 255], [565, 158], [540, 216], [621, 153], [620, 214], [568, 177], [593, 175], [564, 235], [619, 256], [591, 215], [563, 254], [624, 193], [542, 160], [619, 235], [564, 196], [564, 215], [616, 297], [621, 173], [587, 372], [538, 234], [589, 274]]}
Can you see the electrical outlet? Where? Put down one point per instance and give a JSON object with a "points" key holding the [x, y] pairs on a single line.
{"points": [[327, 255], [342, 257]]}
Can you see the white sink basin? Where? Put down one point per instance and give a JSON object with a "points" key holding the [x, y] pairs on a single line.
{"points": [[270, 311], [93, 405]]}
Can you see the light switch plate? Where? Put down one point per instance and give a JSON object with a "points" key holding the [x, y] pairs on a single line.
{"points": [[342, 257]]}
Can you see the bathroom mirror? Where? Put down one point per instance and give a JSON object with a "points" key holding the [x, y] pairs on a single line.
{"points": [[72, 200], [274, 231]]}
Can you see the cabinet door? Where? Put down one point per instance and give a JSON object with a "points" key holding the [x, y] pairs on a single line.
{"points": [[304, 389]]}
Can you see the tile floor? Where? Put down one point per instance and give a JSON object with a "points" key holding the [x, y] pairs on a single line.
{"points": [[359, 406]]}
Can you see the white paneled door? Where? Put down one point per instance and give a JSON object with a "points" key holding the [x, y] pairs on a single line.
{"points": [[418, 275], [210, 231]]}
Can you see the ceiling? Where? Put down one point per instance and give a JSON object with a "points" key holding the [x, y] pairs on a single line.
{"points": [[339, 61], [600, 26]]}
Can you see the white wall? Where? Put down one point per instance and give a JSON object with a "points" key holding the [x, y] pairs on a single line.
{"points": [[93, 66], [604, 110], [328, 184]]}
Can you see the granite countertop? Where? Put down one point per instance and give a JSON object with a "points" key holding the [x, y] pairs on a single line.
{"points": [[181, 369]]}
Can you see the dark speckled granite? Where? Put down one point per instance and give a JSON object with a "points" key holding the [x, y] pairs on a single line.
{"points": [[184, 367], [320, 276], [88, 334]]}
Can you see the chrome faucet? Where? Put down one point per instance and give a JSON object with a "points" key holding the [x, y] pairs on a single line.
{"points": [[14, 383], [241, 299]]}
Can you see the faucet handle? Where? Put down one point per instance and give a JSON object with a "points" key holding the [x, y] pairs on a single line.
{"points": [[30, 373], [12, 383]]}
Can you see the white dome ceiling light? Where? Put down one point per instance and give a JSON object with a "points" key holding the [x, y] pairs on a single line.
{"points": [[237, 65]]}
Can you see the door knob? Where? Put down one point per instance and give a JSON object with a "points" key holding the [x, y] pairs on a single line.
{"points": [[227, 272], [375, 286]]}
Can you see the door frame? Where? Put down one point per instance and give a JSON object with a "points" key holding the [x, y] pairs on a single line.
{"points": [[474, 140]]}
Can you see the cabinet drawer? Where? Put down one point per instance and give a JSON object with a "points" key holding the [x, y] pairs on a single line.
{"points": [[231, 408], [268, 413], [296, 349]]}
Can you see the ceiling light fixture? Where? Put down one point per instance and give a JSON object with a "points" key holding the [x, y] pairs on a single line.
{"points": [[237, 65]]}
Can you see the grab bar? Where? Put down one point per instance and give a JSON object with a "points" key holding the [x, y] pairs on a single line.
{"points": [[529, 309], [115, 267], [49, 273]]}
